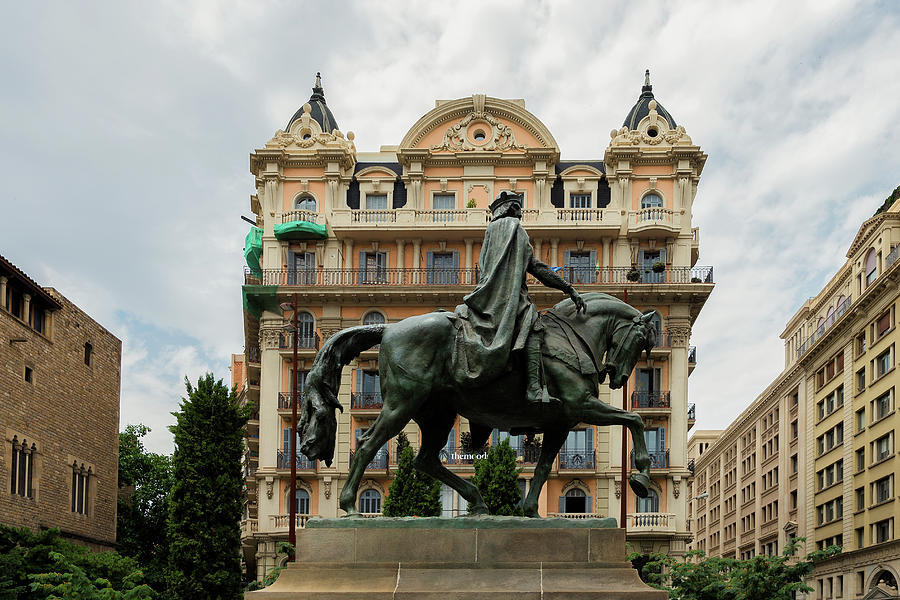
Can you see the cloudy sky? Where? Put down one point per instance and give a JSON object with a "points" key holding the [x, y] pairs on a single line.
{"points": [[125, 130]]}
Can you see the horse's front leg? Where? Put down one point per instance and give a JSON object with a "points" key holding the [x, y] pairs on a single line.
{"points": [[552, 442], [600, 413]]}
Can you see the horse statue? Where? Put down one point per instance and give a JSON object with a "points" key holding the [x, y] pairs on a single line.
{"points": [[416, 384]]}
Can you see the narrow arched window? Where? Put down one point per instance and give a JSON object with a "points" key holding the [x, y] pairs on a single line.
{"points": [[829, 318], [302, 502], [871, 267], [651, 201], [307, 203], [373, 318], [649, 504], [306, 325], [370, 502]]}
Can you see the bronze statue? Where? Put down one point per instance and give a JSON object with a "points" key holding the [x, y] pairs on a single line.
{"points": [[469, 362]]}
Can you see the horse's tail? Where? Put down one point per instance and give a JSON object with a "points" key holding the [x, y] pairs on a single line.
{"points": [[318, 424]]}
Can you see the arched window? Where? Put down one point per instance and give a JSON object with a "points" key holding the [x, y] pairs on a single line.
{"points": [[307, 326], [370, 502], [373, 318], [829, 318], [651, 201], [656, 323], [302, 502], [307, 203], [820, 326], [648, 504], [871, 267], [575, 501]]}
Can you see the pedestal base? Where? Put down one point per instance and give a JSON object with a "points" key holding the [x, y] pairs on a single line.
{"points": [[459, 559]]}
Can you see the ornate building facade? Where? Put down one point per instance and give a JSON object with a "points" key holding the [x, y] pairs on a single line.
{"points": [[814, 455], [373, 237]]}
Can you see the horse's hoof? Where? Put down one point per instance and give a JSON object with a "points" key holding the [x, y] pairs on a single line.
{"points": [[479, 510], [640, 484], [352, 514]]}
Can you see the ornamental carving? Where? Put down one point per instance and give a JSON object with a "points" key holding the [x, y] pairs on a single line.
{"points": [[676, 488], [327, 484], [268, 338], [679, 335], [308, 140], [456, 138], [270, 485], [618, 489]]}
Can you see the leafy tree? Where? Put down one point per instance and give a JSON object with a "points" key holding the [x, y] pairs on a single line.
{"points": [[412, 493], [205, 502], [496, 477], [889, 201], [763, 577], [38, 566], [146, 479]]}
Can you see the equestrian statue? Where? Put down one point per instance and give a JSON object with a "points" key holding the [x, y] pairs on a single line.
{"points": [[495, 360]]}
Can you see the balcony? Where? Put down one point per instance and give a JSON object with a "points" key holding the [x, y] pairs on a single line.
{"points": [[575, 460], [654, 219], [577, 516], [692, 355], [280, 523], [650, 523], [283, 461], [820, 331], [659, 459], [286, 341], [249, 527], [285, 401], [649, 399], [690, 465], [368, 400], [692, 415], [891, 258], [409, 277], [379, 461]]}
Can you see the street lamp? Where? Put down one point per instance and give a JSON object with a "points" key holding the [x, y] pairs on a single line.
{"points": [[292, 525]]}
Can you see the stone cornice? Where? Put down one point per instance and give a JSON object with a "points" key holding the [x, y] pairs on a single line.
{"points": [[869, 229]]}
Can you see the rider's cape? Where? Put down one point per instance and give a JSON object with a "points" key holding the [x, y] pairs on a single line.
{"points": [[497, 317]]}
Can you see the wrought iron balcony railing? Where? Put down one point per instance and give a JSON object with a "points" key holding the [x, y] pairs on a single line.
{"points": [[820, 331], [253, 354], [576, 459], [650, 399], [692, 412], [382, 276], [690, 466], [379, 461], [285, 400], [692, 355], [659, 459], [304, 342], [366, 400], [283, 461]]}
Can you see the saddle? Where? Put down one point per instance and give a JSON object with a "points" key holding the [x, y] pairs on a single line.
{"points": [[563, 340]]}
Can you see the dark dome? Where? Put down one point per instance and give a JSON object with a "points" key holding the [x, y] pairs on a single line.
{"points": [[320, 112], [641, 108]]}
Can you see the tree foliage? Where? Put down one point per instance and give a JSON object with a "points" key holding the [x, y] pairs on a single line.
{"points": [[412, 493], [496, 477], [889, 201], [44, 566], [146, 480], [777, 577], [205, 503]]}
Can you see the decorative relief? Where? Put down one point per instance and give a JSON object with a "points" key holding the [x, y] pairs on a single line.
{"points": [[618, 489], [270, 485], [456, 138], [676, 488], [327, 484], [679, 334], [268, 338]]}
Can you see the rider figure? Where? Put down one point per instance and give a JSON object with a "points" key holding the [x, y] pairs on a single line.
{"points": [[498, 317]]}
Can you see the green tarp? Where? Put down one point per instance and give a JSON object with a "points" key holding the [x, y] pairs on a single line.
{"points": [[253, 250], [258, 298], [300, 230]]}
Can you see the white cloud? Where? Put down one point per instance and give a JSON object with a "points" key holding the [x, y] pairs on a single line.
{"points": [[124, 134]]}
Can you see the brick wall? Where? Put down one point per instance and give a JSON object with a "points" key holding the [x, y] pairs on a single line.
{"points": [[70, 411]]}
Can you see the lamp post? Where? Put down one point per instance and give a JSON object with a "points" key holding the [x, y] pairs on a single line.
{"points": [[292, 524], [623, 513]]}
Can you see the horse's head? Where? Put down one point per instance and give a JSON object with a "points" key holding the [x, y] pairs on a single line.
{"points": [[629, 338], [317, 427]]}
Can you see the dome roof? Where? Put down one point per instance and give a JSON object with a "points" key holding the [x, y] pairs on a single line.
{"points": [[641, 108], [320, 112]]}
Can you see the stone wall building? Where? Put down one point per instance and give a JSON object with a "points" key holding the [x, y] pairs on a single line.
{"points": [[817, 449], [59, 409], [373, 237]]}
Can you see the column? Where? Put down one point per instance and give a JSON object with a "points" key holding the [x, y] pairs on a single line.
{"points": [[470, 276], [3, 282], [538, 244], [348, 255], [26, 308], [554, 252], [401, 246], [417, 249], [269, 420]]}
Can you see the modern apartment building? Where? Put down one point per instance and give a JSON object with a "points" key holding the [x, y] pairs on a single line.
{"points": [[59, 407], [814, 455], [374, 237]]}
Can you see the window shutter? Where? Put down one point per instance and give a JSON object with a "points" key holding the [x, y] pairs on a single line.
{"points": [[381, 260], [568, 272], [429, 268], [359, 381], [662, 439], [454, 276], [286, 440], [362, 267], [589, 504], [592, 278], [589, 440], [562, 504]]}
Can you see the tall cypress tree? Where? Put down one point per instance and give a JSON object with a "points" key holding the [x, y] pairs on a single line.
{"points": [[205, 502], [412, 493], [496, 477]]}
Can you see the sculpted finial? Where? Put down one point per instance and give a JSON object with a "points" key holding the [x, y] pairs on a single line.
{"points": [[647, 77], [319, 80]]}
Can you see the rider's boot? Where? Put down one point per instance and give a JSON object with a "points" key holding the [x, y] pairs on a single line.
{"points": [[535, 392]]}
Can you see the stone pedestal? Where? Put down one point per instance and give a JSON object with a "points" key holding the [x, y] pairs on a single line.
{"points": [[492, 558]]}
